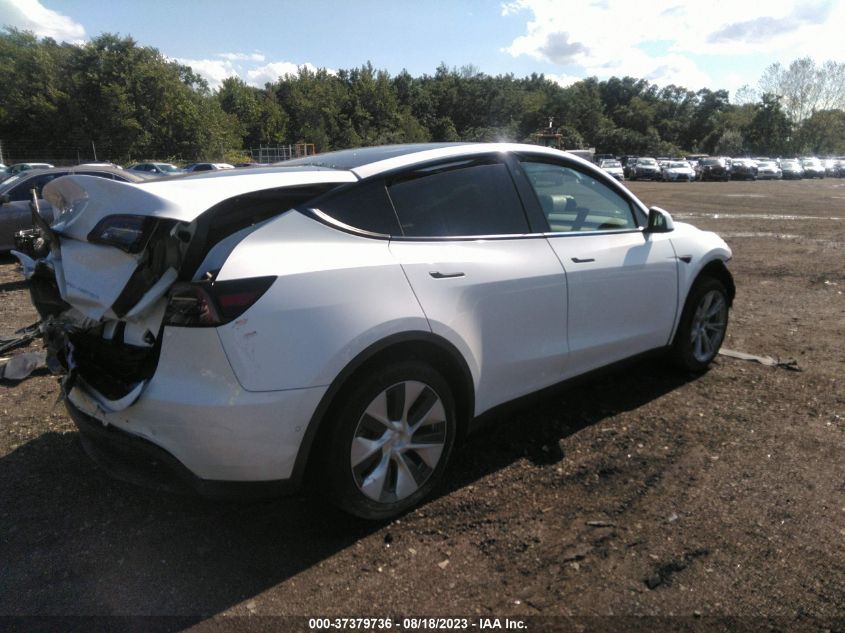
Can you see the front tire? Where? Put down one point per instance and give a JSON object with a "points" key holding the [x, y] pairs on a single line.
{"points": [[392, 439], [703, 325]]}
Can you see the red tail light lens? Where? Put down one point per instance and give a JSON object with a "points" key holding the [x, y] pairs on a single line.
{"points": [[209, 304]]}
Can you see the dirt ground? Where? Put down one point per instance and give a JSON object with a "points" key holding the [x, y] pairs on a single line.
{"points": [[639, 493]]}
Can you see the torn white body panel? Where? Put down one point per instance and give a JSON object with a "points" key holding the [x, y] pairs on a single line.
{"points": [[94, 275], [180, 411]]}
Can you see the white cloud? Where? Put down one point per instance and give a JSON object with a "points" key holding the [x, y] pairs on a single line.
{"points": [[245, 66], [272, 71], [611, 37], [242, 57], [214, 71], [562, 80], [31, 15]]}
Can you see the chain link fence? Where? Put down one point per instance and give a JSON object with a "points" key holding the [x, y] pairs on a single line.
{"points": [[66, 155]]}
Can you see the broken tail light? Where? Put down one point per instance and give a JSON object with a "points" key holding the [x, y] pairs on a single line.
{"points": [[213, 303], [129, 233]]}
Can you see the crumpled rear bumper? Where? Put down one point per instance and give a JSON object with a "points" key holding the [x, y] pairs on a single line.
{"points": [[194, 409], [135, 460]]}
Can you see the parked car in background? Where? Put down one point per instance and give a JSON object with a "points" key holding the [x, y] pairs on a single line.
{"points": [[791, 169], [744, 169], [159, 169], [347, 317], [676, 170], [839, 170], [645, 169], [614, 168], [194, 167], [715, 169], [101, 164], [18, 168], [628, 164], [769, 170], [813, 167], [15, 196]]}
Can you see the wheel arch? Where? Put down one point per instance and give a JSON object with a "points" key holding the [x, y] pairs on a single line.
{"points": [[717, 270], [439, 352]]}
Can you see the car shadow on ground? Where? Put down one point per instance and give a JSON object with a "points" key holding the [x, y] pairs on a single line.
{"points": [[534, 428], [75, 542]]}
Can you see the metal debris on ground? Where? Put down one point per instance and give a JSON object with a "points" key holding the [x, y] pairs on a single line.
{"points": [[768, 361], [20, 366], [24, 337]]}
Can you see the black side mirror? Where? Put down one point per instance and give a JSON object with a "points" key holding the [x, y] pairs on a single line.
{"points": [[659, 221]]}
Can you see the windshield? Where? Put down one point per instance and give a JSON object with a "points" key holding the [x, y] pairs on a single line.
{"points": [[679, 165], [790, 163], [647, 161], [767, 164], [611, 163], [167, 167]]}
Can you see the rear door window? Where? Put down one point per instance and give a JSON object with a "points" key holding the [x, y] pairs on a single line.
{"points": [[465, 198]]}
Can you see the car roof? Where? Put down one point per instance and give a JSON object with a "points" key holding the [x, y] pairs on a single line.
{"points": [[372, 161], [185, 196], [351, 158]]}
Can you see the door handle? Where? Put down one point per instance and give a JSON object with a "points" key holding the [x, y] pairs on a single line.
{"points": [[439, 275], [578, 260]]}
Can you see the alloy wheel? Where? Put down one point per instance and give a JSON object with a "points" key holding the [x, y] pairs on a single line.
{"points": [[708, 326], [398, 441]]}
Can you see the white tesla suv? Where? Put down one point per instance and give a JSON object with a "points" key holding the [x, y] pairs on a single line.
{"points": [[350, 314]]}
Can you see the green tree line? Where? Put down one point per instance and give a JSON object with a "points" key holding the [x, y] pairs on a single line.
{"points": [[132, 103]]}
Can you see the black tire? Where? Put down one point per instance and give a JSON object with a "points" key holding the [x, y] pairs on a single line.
{"points": [[695, 348], [345, 482]]}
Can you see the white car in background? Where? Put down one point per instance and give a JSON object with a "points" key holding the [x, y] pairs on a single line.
{"points": [[348, 315], [676, 170], [768, 170], [614, 168]]}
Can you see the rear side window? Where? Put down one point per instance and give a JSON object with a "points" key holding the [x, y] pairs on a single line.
{"points": [[365, 207], [467, 198], [21, 192]]}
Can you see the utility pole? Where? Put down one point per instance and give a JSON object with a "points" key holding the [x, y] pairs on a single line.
{"points": [[94, 147]]}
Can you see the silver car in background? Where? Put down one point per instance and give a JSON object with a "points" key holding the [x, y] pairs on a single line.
{"points": [[677, 170]]}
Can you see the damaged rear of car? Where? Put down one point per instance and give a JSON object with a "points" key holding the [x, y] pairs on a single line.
{"points": [[126, 283]]}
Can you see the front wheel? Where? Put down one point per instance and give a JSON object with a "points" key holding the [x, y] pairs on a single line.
{"points": [[391, 441], [704, 322]]}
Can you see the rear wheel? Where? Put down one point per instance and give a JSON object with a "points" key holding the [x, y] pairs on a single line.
{"points": [[391, 442], [704, 322]]}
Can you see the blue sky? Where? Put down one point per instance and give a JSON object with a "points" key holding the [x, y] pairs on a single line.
{"points": [[717, 44]]}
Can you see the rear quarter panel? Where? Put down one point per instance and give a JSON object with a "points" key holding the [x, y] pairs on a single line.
{"points": [[336, 294]]}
